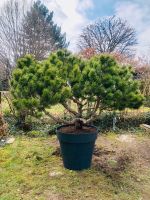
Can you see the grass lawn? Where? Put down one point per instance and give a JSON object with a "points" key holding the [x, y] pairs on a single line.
{"points": [[29, 171]]}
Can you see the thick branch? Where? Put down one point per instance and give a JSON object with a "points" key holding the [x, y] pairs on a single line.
{"points": [[95, 108], [70, 110], [75, 100], [10, 104], [91, 119], [56, 119]]}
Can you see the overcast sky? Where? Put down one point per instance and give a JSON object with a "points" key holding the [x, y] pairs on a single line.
{"points": [[73, 15]]}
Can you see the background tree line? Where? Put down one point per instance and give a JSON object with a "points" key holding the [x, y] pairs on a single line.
{"points": [[27, 30], [32, 30]]}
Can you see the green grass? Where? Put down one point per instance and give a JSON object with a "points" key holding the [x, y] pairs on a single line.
{"points": [[27, 164]]}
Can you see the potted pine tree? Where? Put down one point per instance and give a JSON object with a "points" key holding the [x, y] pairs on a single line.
{"points": [[83, 87]]}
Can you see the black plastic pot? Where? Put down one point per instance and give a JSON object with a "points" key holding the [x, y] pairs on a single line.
{"points": [[76, 149]]}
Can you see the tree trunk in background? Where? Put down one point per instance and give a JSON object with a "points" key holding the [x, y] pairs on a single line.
{"points": [[3, 125], [0, 102]]}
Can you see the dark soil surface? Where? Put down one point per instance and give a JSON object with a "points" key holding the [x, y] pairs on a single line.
{"points": [[72, 130]]}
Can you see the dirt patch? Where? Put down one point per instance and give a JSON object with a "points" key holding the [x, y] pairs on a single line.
{"points": [[141, 153], [126, 138], [52, 196], [117, 153], [100, 151], [57, 151], [111, 162]]}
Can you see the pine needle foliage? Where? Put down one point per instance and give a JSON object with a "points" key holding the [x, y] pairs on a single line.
{"points": [[93, 85]]}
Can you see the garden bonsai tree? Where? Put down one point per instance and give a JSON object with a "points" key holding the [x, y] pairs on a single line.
{"points": [[90, 85]]}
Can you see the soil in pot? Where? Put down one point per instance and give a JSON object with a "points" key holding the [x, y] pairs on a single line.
{"points": [[71, 129]]}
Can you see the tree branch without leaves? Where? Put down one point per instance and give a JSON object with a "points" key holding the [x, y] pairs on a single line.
{"points": [[108, 35]]}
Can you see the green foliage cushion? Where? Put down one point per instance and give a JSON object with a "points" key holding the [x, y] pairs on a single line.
{"points": [[39, 85]]}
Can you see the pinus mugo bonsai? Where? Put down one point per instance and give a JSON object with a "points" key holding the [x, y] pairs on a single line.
{"points": [[83, 87]]}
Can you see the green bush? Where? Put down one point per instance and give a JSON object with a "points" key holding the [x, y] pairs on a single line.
{"points": [[93, 85], [127, 121], [36, 134], [147, 101]]}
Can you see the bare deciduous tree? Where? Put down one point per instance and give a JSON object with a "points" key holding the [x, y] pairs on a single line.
{"points": [[11, 15], [27, 29], [108, 35]]}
